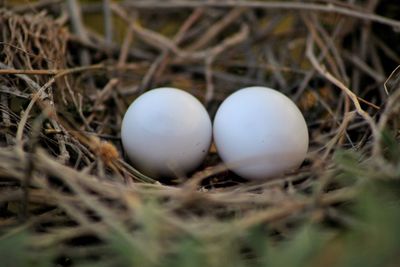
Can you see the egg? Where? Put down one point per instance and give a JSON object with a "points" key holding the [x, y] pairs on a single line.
{"points": [[260, 133], [166, 132]]}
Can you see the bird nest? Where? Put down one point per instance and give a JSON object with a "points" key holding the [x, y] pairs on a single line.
{"points": [[69, 197]]}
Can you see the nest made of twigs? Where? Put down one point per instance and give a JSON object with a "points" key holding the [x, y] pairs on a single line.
{"points": [[63, 94]]}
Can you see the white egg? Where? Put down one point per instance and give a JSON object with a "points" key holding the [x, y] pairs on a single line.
{"points": [[166, 132], [259, 133]]}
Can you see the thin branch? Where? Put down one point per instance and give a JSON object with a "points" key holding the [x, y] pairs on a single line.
{"points": [[354, 98], [108, 26], [28, 72], [218, 27]]}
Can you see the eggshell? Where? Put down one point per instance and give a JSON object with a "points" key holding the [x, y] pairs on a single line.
{"points": [[260, 133], [166, 132]]}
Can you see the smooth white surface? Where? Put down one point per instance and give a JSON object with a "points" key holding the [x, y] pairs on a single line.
{"points": [[259, 133], [165, 132]]}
